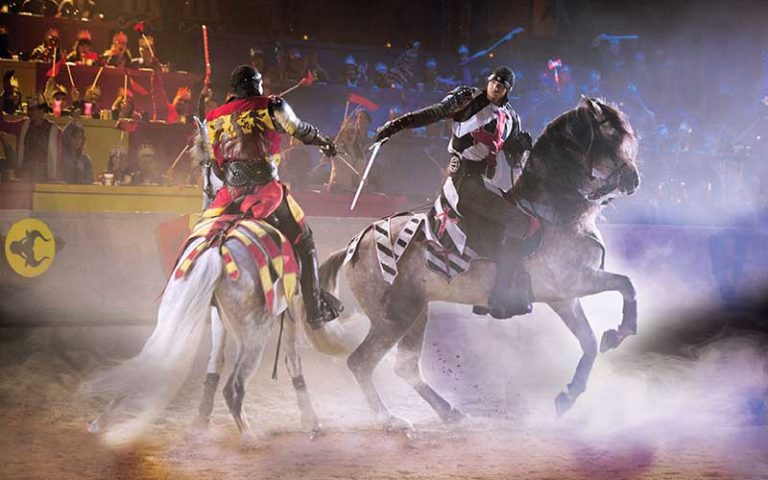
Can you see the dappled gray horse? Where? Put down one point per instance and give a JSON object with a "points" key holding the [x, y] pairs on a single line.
{"points": [[582, 160], [141, 387]]}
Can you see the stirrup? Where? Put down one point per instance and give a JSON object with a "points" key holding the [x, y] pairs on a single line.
{"points": [[328, 309], [514, 300]]}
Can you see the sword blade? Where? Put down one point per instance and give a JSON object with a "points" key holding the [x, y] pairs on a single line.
{"points": [[376, 148]]}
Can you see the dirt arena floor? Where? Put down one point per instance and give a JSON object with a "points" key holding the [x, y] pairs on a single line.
{"points": [[642, 418]]}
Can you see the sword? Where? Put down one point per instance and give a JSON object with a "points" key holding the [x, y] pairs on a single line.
{"points": [[202, 129], [375, 147]]}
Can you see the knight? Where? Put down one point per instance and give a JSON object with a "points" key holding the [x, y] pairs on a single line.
{"points": [[482, 124], [244, 135]]}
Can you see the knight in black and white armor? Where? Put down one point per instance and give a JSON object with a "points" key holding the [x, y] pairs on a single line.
{"points": [[482, 124]]}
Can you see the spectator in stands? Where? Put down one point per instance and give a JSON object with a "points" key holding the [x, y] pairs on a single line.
{"points": [[348, 165], [124, 107], [321, 76], [11, 93], [5, 43], [7, 157], [76, 164], [351, 74], [591, 87], [362, 122], [50, 47], [49, 8], [180, 110], [118, 167], [92, 96], [400, 75], [37, 142], [430, 75], [82, 53], [78, 9], [295, 66], [205, 102], [463, 74], [118, 54], [10, 6], [148, 172], [58, 99], [379, 76], [147, 52]]}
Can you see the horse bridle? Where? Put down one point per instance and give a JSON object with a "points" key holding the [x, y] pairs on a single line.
{"points": [[612, 181]]}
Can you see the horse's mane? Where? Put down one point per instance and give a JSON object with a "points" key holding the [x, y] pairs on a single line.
{"points": [[553, 170]]}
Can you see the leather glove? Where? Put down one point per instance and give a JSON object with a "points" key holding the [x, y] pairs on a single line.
{"points": [[328, 147], [386, 130]]}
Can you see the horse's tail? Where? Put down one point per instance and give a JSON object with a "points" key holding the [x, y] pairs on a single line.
{"points": [[144, 385], [339, 337]]}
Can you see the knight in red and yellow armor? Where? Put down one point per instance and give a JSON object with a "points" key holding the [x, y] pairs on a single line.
{"points": [[244, 140]]}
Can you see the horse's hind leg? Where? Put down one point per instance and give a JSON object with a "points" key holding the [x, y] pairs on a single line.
{"points": [[214, 369], [408, 368], [251, 334], [385, 332], [572, 314], [248, 358], [293, 364]]}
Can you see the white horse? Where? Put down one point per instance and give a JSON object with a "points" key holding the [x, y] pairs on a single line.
{"points": [[141, 387]]}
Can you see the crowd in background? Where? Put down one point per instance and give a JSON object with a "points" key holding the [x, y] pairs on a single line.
{"points": [[694, 154]]}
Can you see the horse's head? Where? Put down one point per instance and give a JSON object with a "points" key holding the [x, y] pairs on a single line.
{"points": [[609, 148]]}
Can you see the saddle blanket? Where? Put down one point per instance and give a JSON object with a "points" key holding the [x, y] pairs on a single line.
{"points": [[448, 252], [390, 246], [271, 252]]}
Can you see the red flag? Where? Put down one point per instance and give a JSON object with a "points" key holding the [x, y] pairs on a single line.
{"points": [[308, 79], [360, 100], [136, 87], [54, 70], [139, 27]]}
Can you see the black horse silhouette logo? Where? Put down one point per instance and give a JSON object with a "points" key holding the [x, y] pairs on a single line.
{"points": [[25, 248]]}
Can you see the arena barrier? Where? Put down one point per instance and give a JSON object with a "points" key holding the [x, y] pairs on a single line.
{"points": [[110, 252]]}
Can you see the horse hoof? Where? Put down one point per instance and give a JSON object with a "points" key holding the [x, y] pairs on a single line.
{"points": [[609, 341], [397, 424], [563, 403], [315, 433], [251, 440], [455, 416]]}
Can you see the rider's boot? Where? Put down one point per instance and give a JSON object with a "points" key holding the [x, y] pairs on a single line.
{"points": [[321, 306], [512, 293]]}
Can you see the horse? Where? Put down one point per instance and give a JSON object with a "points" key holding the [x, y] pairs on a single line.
{"points": [[582, 160], [141, 387]]}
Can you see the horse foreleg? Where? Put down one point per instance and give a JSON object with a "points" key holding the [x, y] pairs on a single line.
{"points": [[214, 369], [572, 314], [598, 281], [309, 418], [407, 367]]}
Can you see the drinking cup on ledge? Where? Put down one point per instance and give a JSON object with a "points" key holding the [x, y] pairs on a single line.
{"points": [[109, 179]]}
